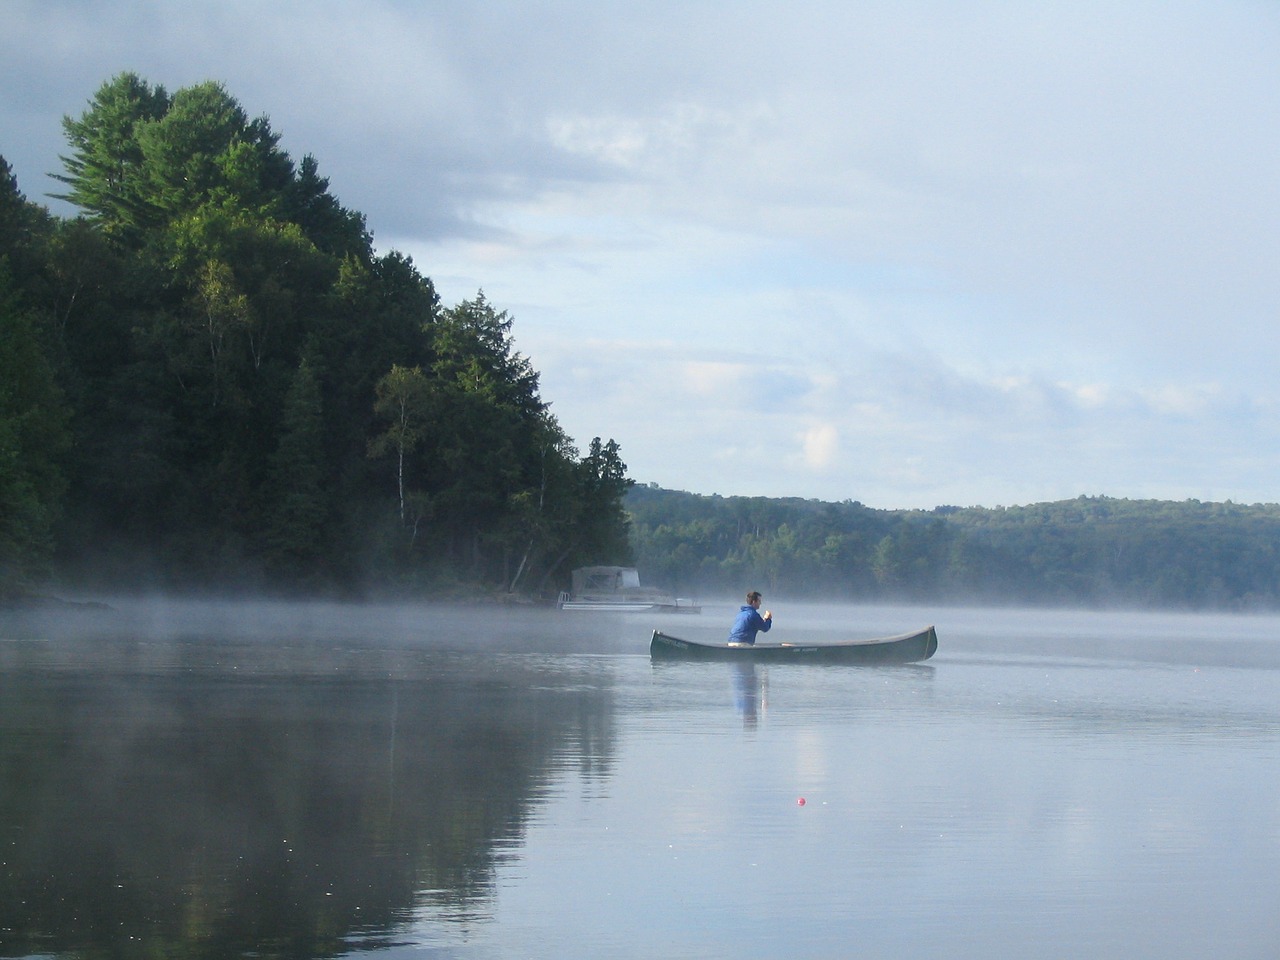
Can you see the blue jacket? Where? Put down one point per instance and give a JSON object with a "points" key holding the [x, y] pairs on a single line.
{"points": [[749, 623]]}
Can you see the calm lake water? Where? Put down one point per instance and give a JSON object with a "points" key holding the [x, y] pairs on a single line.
{"points": [[203, 780]]}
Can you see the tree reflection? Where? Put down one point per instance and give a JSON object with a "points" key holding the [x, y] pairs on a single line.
{"points": [[233, 803]]}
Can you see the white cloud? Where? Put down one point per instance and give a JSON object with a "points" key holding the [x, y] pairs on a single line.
{"points": [[821, 443], [906, 253]]}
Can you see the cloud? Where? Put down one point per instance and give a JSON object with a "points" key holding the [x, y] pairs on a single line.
{"points": [[894, 252], [820, 443]]}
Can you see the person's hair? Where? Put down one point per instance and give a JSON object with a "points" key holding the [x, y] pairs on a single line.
{"points": [[753, 596]]}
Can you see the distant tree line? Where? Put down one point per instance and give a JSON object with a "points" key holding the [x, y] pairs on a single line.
{"points": [[210, 379], [1091, 550]]}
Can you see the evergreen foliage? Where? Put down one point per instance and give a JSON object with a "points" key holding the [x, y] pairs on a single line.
{"points": [[32, 438], [33, 413], [205, 375]]}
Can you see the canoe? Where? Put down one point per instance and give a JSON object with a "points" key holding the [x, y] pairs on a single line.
{"points": [[904, 648]]}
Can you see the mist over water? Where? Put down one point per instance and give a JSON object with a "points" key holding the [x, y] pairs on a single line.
{"points": [[269, 779]]}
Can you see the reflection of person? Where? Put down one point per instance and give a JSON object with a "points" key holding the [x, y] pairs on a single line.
{"points": [[750, 621], [748, 693]]}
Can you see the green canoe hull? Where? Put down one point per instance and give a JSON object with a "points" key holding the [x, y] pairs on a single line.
{"points": [[905, 648]]}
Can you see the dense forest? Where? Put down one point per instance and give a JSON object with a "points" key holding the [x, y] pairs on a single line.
{"points": [[1091, 550], [210, 379]]}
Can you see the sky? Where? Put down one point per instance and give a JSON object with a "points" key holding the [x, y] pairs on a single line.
{"points": [[910, 254]]}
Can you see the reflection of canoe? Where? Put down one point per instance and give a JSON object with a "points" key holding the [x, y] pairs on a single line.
{"points": [[906, 648]]}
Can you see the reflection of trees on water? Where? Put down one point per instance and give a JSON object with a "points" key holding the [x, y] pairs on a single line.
{"points": [[232, 808]]}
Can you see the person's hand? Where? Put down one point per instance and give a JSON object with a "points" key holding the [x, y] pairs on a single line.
{"points": [[768, 615]]}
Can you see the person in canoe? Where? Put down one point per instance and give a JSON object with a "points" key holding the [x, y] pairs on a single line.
{"points": [[750, 621]]}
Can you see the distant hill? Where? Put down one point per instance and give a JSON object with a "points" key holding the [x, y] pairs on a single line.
{"points": [[1090, 550]]}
